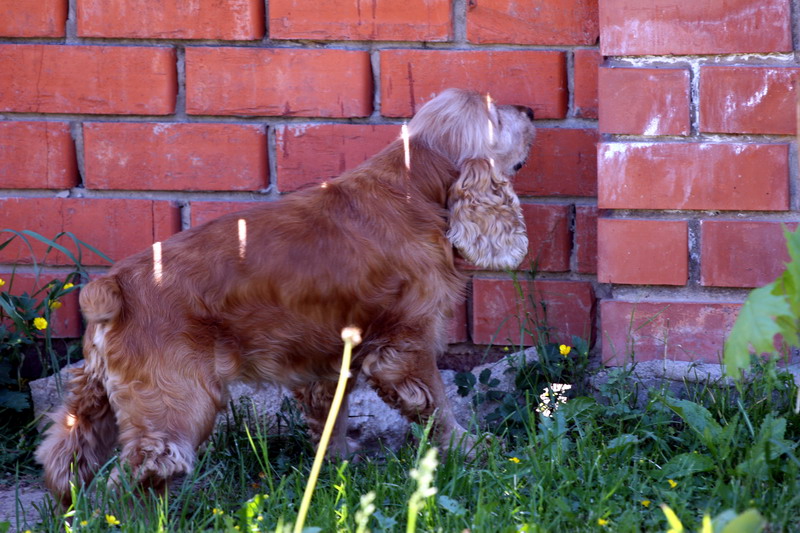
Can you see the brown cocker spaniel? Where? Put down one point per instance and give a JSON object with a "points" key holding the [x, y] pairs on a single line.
{"points": [[264, 294]]}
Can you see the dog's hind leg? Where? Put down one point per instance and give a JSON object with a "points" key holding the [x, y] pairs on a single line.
{"points": [[161, 427], [316, 398]]}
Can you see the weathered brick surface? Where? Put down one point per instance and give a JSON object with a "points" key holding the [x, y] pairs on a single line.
{"points": [[586, 239], [533, 78], [671, 330], [748, 99], [412, 20], [547, 22], [53, 79], [643, 252], [664, 27], [586, 65], [549, 237], [706, 176], [116, 227], [175, 157], [33, 18], [171, 19], [742, 253], [501, 317], [37, 155], [278, 81], [203, 212], [562, 162], [308, 155], [644, 101]]}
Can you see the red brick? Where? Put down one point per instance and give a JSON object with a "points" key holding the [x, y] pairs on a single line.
{"points": [[175, 157], [63, 79], [643, 252], [537, 79], [741, 253], [546, 22], [586, 64], [566, 307], [116, 227], [203, 212], [748, 100], [33, 18], [37, 155], [672, 330], [309, 154], [411, 20], [664, 27], [644, 101], [705, 176], [549, 238], [457, 325], [278, 81], [563, 162], [65, 322], [586, 239], [171, 19]]}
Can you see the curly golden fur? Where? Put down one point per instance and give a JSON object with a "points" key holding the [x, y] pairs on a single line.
{"points": [[263, 295]]}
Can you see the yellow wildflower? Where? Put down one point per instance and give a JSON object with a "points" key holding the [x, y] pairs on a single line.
{"points": [[112, 520], [602, 522], [68, 286], [514, 460], [646, 503], [2, 282], [672, 483], [40, 323], [84, 523], [564, 349], [55, 304]]}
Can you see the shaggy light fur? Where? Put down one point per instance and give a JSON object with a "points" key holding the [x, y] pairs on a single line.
{"points": [[263, 295]]}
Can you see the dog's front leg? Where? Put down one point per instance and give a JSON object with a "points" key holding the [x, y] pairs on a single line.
{"points": [[409, 381]]}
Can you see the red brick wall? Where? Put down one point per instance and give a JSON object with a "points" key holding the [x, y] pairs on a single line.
{"points": [[125, 122], [697, 169]]}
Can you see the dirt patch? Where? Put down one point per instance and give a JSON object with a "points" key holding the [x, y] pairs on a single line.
{"points": [[17, 501]]}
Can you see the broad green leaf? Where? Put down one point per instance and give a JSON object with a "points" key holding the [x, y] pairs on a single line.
{"points": [[698, 418], [755, 326], [618, 443], [686, 464]]}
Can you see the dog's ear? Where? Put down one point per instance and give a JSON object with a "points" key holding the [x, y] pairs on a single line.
{"points": [[486, 223]]}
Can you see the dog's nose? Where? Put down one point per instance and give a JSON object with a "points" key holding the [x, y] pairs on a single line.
{"points": [[528, 112]]}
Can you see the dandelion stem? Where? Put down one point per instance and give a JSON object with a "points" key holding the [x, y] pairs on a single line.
{"points": [[351, 337]]}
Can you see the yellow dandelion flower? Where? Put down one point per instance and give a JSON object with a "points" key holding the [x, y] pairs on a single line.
{"points": [[112, 520], [672, 483], [40, 323], [84, 523], [602, 522], [2, 282], [564, 349], [55, 304], [216, 511], [646, 503], [514, 460], [68, 286]]}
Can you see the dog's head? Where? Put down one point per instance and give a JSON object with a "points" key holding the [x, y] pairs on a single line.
{"points": [[487, 143]]}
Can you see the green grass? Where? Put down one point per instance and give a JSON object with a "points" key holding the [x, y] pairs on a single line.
{"points": [[593, 465]]}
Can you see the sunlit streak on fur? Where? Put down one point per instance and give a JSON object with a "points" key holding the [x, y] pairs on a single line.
{"points": [[489, 120], [157, 266], [242, 238], [406, 149], [70, 420]]}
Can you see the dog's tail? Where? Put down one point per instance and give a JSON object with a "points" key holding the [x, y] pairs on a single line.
{"points": [[84, 430]]}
